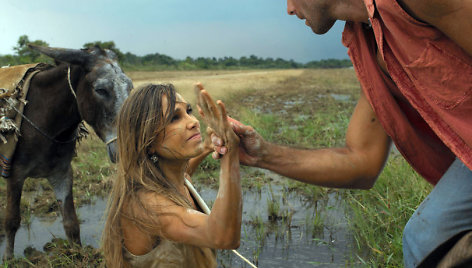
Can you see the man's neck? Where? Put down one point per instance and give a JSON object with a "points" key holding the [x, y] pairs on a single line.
{"points": [[351, 10]]}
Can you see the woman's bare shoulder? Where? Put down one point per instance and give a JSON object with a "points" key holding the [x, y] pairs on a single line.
{"points": [[154, 199]]}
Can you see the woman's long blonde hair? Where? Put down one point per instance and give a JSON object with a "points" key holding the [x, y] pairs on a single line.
{"points": [[139, 122]]}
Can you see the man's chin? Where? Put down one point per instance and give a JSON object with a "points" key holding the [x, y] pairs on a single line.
{"points": [[321, 29]]}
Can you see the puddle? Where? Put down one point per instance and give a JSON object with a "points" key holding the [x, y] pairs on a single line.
{"points": [[308, 233], [315, 234], [336, 97], [42, 230], [340, 97]]}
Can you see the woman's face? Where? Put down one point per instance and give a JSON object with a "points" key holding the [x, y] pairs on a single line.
{"points": [[181, 138]]}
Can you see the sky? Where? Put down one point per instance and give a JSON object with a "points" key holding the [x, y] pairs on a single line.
{"points": [[177, 28]]}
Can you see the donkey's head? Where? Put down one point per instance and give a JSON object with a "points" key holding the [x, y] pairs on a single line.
{"points": [[101, 88]]}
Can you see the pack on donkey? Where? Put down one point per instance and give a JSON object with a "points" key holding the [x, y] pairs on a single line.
{"points": [[42, 108]]}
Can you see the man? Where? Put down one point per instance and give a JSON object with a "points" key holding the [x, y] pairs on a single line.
{"points": [[413, 60]]}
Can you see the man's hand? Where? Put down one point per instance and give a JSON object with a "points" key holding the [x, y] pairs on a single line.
{"points": [[251, 148]]}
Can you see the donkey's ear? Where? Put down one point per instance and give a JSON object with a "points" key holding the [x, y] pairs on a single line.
{"points": [[71, 56]]}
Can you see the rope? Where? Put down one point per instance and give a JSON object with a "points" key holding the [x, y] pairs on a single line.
{"points": [[41, 131], [70, 84], [207, 210], [111, 140]]}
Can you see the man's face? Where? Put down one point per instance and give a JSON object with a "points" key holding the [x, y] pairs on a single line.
{"points": [[317, 13]]}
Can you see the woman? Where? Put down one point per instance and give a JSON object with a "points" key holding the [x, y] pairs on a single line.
{"points": [[153, 218]]}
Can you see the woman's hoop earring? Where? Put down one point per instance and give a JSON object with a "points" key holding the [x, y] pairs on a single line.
{"points": [[154, 158]]}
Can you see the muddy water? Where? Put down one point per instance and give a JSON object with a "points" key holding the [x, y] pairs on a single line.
{"points": [[42, 230], [306, 232], [295, 244], [314, 234]]}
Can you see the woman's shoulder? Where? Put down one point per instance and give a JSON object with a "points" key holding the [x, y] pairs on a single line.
{"points": [[155, 199]]}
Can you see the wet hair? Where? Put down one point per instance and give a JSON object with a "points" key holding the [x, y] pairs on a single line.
{"points": [[141, 119]]}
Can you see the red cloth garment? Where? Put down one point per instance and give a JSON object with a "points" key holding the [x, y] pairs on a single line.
{"points": [[427, 108]]}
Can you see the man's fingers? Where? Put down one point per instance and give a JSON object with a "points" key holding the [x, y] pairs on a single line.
{"points": [[234, 121], [216, 140], [221, 149], [238, 127], [215, 155]]}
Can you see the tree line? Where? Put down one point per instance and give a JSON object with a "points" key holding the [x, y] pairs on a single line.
{"points": [[156, 61]]}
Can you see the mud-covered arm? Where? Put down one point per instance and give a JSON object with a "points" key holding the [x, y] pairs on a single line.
{"points": [[452, 17]]}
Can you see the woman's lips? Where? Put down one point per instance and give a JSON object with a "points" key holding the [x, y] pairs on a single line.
{"points": [[195, 137]]}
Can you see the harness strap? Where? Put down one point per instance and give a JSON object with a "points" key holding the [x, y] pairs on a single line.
{"points": [[110, 140], [70, 84]]}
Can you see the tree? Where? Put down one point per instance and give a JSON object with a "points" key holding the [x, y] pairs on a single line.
{"points": [[27, 55]]}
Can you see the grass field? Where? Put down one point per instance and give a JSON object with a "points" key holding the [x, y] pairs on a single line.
{"points": [[302, 108]]}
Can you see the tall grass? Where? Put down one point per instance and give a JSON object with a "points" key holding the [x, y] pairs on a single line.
{"points": [[379, 215]]}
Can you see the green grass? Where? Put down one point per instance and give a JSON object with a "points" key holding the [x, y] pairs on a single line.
{"points": [[379, 215]]}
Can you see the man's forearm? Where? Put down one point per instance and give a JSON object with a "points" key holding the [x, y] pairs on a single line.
{"points": [[333, 167]]}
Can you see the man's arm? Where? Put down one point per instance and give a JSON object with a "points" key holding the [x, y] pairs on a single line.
{"points": [[357, 165], [452, 17]]}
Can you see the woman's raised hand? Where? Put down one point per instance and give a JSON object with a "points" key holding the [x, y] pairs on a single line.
{"points": [[215, 117]]}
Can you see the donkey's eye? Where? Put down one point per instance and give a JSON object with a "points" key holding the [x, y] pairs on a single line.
{"points": [[102, 92]]}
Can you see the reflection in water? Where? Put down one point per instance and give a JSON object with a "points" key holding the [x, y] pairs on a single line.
{"points": [[42, 230]]}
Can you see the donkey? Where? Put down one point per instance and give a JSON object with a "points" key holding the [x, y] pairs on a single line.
{"points": [[84, 85]]}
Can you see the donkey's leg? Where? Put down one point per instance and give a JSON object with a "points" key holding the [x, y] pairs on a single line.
{"points": [[62, 184], [12, 217]]}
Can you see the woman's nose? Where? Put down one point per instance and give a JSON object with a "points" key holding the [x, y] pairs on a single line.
{"points": [[193, 123]]}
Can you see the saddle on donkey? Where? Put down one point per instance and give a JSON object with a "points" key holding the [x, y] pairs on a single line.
{"points": [[14, 85]]}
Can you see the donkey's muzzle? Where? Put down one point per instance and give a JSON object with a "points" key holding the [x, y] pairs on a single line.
{"points": [[112, 151]]}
